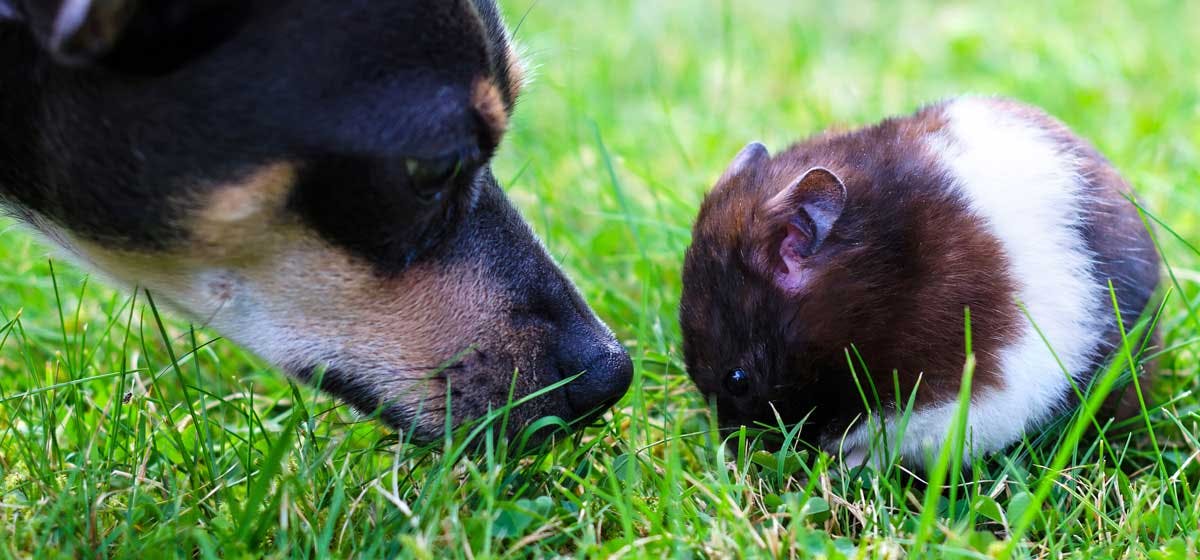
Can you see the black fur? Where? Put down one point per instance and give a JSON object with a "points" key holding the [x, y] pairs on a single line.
{"points": [[283, 86], [387, 112]]}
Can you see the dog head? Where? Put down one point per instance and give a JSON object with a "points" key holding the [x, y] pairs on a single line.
{"points": [[310, 179]]}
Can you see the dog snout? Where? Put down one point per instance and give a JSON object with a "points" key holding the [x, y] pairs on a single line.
{"points": [[601, 370], [583, 349]]}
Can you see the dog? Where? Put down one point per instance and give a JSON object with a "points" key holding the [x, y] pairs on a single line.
{"points": [[311, 179]]}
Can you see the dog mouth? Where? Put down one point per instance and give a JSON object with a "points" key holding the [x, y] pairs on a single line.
{"points": [[521, 429], [416, 405]]}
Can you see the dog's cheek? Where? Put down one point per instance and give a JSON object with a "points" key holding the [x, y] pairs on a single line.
{"points": [[405, 343], [255, 273], [496, 369]]}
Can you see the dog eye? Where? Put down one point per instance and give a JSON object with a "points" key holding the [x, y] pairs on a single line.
{"points": [[431, 177], [737, 382]]}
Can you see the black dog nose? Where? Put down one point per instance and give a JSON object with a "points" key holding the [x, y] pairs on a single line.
{"points": [[604, 373]]}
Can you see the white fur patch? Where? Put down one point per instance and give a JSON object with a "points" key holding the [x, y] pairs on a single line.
{"points": [[1028, 193]]}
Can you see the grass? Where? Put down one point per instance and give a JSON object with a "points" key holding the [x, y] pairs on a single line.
{"points": [[125, 435]]}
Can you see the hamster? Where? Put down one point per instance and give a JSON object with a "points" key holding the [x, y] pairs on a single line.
{"points": [[865, 248]]}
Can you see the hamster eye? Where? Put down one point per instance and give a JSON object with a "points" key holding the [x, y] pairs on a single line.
{"points": [[737, 382]]}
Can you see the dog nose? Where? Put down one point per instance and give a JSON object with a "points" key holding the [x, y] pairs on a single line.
{"points": [[604, 373]]}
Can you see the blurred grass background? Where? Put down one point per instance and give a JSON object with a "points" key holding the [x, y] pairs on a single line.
{"points": [[633, 109]]}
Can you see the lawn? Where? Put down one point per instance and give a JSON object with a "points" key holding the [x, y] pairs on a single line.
{"points": [[125, 435]]}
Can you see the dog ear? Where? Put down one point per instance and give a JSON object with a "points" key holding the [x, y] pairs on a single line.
{"points": [[76, 32], [130, 36], [795, 224]]}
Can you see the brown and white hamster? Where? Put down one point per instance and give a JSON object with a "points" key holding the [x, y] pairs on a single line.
{"points": [[875, 240]]}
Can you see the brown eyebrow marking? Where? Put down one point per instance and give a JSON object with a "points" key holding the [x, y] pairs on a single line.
{"points": [[489, 104]]}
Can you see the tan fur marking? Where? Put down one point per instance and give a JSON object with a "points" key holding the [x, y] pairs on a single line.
{"points": [[256, 274], [263, 190], [234, 218], [489, 103]]}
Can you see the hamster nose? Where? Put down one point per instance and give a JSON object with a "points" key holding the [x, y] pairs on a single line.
{"points": [[604, 373]]}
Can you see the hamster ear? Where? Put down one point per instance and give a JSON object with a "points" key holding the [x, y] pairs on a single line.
{"points": [[753, 156], [800, 218], [78, 31]]}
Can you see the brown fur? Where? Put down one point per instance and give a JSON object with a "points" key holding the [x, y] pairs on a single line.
{"points": [[489, 104], [892, 282], [405, 329], [328, 203]]}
